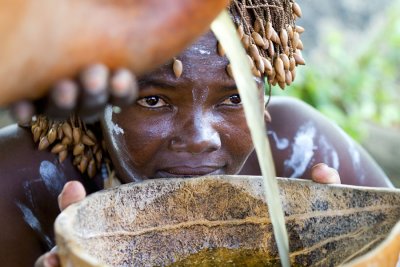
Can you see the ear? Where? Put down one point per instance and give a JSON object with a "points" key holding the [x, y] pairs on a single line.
{"points": [[267, 116]]}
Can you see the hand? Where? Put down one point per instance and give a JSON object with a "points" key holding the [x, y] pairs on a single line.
{"points": [[323, 174], [86, 95], [72, 192]]}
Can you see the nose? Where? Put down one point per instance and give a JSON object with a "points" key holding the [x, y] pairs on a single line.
{"points": [[196, 135]]}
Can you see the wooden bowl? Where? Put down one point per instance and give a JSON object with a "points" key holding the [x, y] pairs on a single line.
{"points": [[222, 221]]}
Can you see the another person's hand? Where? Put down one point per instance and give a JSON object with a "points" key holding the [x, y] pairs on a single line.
{"points": [[72, 192], [87, 95], [323, 174]]}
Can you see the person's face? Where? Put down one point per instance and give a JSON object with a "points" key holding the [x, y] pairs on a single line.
{"points": [[182, 127]]}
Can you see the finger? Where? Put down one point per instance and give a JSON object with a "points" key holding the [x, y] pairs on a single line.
{"points": [[72, 192], [50, 259], [63, 99], [94, 81], [124, 88], [323, 174], [22, 112]]}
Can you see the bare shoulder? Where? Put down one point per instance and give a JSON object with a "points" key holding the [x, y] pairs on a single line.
{"points": [[302, 137]]}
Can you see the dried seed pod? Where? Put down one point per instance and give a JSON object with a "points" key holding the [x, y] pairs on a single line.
{"points": [[293, 72], [279, 68], [60, 133], [91, 135], [295, 40], [229, 70], [44, 143], [292, 62], [271, 75], [299, 45], [260, 65], [289, 30], [58, 148], [177, 67], [91, 169], [274, 82], [36, 134], [299, 29], [283, 36], [267, 65], [76, 135], [240, 31], [52, 135], [251, 62], [286, 50], [257, 39], [62, 155], [220, 50], [99, 156], [257, 25], [67, 130], [266, 44], [78, 149], [256, 72], [66, 141], [271, 49], [268, 30], [254, 52], [299, 58], [246, 41], [296, 10], [76, 160], [275, 37], [282, 85], [87, 140], [288, 77], [83, 164], [285, 60], [96, 148]]}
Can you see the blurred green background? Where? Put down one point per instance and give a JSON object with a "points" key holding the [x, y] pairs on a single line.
{"points": [[353, 73]]}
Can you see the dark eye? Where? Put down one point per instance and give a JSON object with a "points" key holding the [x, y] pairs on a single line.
{"points": [[232, 100], [151, 102]]}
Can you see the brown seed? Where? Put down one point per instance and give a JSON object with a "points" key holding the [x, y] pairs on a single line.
{"points": [[300, 45], [177, 67], [77, 160], [52, 135], [99, 156], [251, 62], [299, 29], [67, 130], [295, 39], [285, 60], [296, 10], [292, 62], [257, 25], [257, 39], [288, 77], [256, 72], [267, 65], [266, 44], [290, 32], [286, 50], [91, 135], [83, 164], [240, 31], [36, 134], [246, 41], [279, 68], [268, 30], [271, 75], [96, 148], [44, 143], [62, 155], [254, 52], [229, 70], [76, 135], [283, 36], [78, 149], [260, 65], [220, 50], [282, 85], [87, 140], [274, 82], [91, 169], [60, 133], [293, 72], [58, 148], [299, 58], [275, 37], [66, 141], [271, 49]]}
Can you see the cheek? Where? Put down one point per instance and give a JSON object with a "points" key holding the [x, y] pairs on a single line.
{"points": [[143, 139]]}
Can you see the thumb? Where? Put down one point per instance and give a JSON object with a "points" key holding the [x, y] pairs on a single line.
{"points": [[72, 192]]}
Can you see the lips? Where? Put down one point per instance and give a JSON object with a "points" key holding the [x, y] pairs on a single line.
{"points": [[186, 171]]}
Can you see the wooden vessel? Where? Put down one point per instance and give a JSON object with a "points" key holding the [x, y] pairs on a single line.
{"points": [[224, 221]]}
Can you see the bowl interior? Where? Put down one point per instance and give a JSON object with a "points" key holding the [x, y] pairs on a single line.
{"points": [[224, 220]]}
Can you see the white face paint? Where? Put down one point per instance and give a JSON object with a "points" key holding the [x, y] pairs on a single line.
{"points": [[34, 223], [302, 151]]}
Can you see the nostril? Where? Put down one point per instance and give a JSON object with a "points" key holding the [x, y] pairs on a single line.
{"points": [[196, 144]]}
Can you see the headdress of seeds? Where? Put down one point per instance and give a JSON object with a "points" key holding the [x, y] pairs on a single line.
{"points": [[70, 137]]}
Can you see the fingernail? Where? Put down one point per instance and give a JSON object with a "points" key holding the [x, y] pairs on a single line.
{"points": [[94, 79], [65, 94], [122, 83], [50, 260], [23, 112]]}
